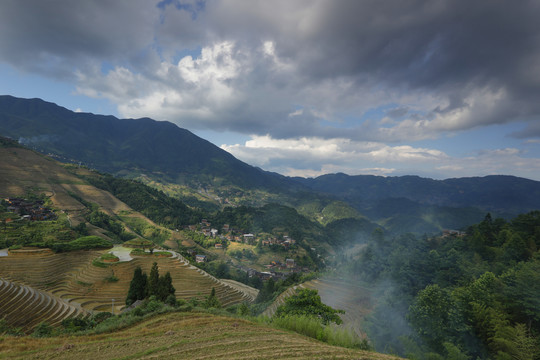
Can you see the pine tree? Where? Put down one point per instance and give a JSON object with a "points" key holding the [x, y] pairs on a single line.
{"points": [[153, 281], [212, 301], [137, 287], [165, 287]]}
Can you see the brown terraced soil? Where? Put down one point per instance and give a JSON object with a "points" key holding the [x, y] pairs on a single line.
{"points": [[183, 336]]}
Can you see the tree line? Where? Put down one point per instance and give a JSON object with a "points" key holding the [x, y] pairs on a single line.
{"points": [[143, 286], [469, 297]]}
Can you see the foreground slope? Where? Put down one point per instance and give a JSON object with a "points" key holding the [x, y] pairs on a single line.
{"points": [[183, 336]]}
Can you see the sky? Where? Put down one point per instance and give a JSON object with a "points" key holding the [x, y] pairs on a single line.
{"points": [[435, 88]]}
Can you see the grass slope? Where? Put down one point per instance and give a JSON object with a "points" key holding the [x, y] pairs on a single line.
{"points": [[182, 336]]}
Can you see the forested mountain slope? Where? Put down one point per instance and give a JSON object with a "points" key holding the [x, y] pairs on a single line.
{"points": [[124, 146]]}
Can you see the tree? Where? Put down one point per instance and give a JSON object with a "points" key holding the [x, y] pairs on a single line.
{"points": [[137, 287], [165, 287], [307, 302], [212, 301], [433, 315], [153, 281], [267, 291]]}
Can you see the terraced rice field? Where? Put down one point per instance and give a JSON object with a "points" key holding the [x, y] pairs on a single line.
{"points": [[193, 336], [17, 301], [72, 279], [339, 294]]}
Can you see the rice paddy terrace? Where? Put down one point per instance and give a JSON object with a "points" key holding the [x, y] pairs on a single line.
{"points": [[35, 285], [190, 335]]}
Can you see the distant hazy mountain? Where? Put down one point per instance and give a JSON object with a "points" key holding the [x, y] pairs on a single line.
{"points": [[411, 202], [121, 146]]}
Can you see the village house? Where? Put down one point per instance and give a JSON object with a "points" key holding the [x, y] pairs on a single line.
{"points": [[456, 233], [200, 258], [290, 263], [249, 239]]}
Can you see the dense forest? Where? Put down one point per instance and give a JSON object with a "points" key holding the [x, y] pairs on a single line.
{"points": [[152, 203], [473, 296]]}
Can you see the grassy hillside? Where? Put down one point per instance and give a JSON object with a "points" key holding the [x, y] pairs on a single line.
{"points": [[182, 335]]}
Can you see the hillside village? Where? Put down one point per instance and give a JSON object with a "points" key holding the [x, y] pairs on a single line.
{"points": [[29, 210], [221, 239]]}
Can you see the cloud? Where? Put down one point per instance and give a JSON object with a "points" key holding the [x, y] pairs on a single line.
{"points": [[56, 38], [311, 157], [446, 61], [355, 82]]}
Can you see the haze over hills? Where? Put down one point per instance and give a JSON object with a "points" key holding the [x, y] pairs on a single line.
{"points": [[167, 154]]}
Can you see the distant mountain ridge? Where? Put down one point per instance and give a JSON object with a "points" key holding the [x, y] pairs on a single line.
{"points": [[136, 147], [501, 193], [119, 145]]}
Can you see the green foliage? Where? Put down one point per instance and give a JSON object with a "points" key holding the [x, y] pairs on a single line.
{"points": [[307, 302], [137, 286], [139, 243], [165, 287], [43, 329], [268, 291], [111, 279], [99, 264], [466, 297], [114, 228], [312, 327], [145, 230], [212, 301], [5, 329], [109, 257], [154, 286], [34, 233], [81, 229], [72, 325], [152, 203], [90, 242]]}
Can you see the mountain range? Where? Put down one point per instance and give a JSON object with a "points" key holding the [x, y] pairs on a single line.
{"points": [[167, 154]]}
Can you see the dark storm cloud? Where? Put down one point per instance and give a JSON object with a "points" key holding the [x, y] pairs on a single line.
{"points": [[450, 48], [454, 64], [58, 37]]}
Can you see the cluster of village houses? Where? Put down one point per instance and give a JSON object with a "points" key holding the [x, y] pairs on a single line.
{"points": [[29, 210], [231, 234], [235, 235]]}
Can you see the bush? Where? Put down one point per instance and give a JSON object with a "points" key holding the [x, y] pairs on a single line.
{"points": [[90, 242], [42, 330], [5, 329], [76, 324], [109, 257], [111, 279], [313, 328], [171, 300]]}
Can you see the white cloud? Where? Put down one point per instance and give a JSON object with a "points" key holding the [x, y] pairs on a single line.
{"points": [[310, 157]]}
